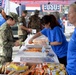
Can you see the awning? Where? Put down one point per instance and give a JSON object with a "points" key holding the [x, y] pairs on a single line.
{"points": [[65, 2]]}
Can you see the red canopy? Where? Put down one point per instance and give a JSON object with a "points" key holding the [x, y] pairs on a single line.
{"points": [[65, 2]]}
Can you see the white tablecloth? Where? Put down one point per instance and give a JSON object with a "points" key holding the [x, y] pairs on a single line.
{"points": [[23, 47]]}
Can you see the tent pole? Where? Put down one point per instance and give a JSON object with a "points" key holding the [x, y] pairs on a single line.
{"points": [[20, 9]]}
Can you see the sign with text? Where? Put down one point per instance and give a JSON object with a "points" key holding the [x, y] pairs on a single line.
{"points": [[51, 7]]}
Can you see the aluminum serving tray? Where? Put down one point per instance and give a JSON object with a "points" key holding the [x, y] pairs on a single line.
{"points": [[34, 46], [35, 54], [36, 59], [37, 46]]}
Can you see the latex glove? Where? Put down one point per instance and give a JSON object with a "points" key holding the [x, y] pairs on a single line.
{"points": [[30, 41]]}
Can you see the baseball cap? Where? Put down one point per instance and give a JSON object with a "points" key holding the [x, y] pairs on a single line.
{"points": [[14, 16]]}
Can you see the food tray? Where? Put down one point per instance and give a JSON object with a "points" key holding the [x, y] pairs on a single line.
{"points": [[37, 46], [36, 59], [35, 54], [34, 46]]}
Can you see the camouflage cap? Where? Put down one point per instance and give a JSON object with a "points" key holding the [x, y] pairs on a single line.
{"points": [[14, 16], [25, 11], [36, 11]]}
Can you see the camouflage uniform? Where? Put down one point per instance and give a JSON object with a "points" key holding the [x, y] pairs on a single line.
{"points": [[6, 40], [35, 21], [6, 43], [22, 33], [14, 16]]}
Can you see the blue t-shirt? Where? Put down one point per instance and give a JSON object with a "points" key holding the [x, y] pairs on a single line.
{"points": [[61, 23], [56, 34], [71, 55], [2, 20]]}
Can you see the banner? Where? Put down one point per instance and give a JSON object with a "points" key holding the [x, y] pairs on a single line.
{"points": [[51, 7], [32, 7]]}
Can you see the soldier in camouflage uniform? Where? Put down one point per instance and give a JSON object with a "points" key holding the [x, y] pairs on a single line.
{"points": [[22, 29], [34, 22], [6, 39]]}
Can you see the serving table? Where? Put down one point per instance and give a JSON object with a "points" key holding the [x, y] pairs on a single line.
{"points": [[36, 56]]}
